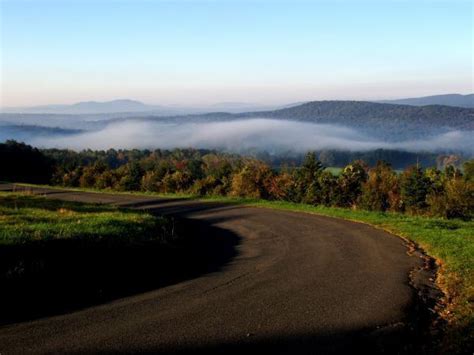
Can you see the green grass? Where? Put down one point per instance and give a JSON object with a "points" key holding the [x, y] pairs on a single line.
{"points": [[26, 218]]}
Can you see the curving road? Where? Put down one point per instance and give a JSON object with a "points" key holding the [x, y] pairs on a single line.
{"points": [[297, 283]]}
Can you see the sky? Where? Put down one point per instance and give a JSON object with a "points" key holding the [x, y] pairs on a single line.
{"points": [[204, 52]]}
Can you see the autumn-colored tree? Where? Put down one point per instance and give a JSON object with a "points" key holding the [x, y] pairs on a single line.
{"points": [[252, 180], [130, 177], [381, 190], [91, 173], [151, 182], [106, 180], [217, 166], [182, 180], [456, 201], [281, 187], [72, 178], [205, 186]]}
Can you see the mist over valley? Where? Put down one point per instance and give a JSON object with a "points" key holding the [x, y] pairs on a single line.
{"points": [[320, 125]]}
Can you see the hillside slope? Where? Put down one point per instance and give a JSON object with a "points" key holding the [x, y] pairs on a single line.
{"points": [[447, 100]]}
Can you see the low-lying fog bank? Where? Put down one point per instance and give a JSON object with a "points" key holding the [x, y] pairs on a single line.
{"points": [[261, 134]]}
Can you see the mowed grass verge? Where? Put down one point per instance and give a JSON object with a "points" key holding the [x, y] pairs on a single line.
{"points": [[26, 219]]}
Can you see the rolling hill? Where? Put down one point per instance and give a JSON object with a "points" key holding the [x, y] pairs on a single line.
{"points": [[387, 121], [374, 121], [447, 100]]}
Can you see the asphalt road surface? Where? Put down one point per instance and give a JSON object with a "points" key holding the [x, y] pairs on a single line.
{"points": [[290, 283]]}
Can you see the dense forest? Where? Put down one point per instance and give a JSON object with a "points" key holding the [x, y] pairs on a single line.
{"points": [[398, 159], [448, 193], [378, 116]]}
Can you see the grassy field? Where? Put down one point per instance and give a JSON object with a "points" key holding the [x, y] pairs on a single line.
{"points": [[25, 218]]}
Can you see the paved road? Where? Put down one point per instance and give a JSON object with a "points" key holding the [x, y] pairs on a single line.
{"points": [[297, 283]]}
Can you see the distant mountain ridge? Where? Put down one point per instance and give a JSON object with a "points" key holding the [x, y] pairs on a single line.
{"points": [[109, 106], [87, 107], [457, 100], [391, 122], [126, 106]]}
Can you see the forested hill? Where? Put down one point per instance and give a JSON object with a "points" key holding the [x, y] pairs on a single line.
{"points": [[358, 114], [448, 100], [361, 114], [392, 123], [387, 121]]}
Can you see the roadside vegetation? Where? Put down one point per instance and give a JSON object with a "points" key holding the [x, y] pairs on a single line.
{"points": [[29, 219], [446, 192], [432, 206], [57, 256]]}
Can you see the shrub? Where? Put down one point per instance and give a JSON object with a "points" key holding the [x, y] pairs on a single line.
{"points": [[457, 200]]}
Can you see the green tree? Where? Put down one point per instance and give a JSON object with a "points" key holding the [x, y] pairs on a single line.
{"points": [[350, 183], [327, 189], [468, 168], [307, 185], [414, 187], [131, 177]]}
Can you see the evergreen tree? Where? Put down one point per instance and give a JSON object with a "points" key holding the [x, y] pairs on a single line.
{"points": [[414, 187], [308, 186]]}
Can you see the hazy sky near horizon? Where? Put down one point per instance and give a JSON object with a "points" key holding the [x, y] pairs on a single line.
{"points": [[202, 52]]}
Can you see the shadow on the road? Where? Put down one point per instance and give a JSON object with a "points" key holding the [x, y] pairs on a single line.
{"points": [[60, 276], [392, 340], [150, 203]]}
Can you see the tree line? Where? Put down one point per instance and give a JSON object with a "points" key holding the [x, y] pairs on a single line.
{"points": [[447, 193]]}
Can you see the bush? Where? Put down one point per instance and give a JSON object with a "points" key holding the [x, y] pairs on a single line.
{"points": [[457, 200]]}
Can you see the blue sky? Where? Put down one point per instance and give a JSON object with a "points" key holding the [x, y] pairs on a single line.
{"points": [[191, 52]]}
